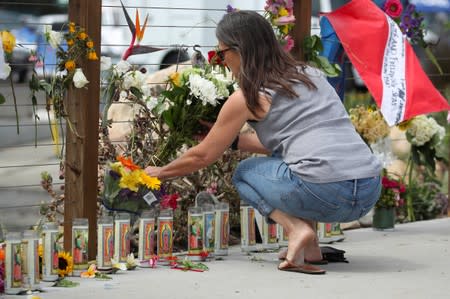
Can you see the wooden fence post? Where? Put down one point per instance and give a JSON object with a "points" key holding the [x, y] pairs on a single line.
{"points": [[82, 136], [302, 28]]}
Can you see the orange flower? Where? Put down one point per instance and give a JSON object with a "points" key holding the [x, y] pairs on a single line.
{"points": [[92, 55], [128, 163], [2, 254], [72, 27], [82, 35], [70, 65], [90, 44], [70, 42]]}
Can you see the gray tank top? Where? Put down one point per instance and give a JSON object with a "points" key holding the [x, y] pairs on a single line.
{"points": [[314, 135]]}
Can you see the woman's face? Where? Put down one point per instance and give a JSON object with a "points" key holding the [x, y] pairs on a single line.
{"points": [[231, 58]]}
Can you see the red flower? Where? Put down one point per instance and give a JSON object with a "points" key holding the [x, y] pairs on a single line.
{"points": [[214, 59], [170, 201], [393, 8]]}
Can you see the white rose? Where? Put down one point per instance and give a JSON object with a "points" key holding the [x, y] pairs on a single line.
{"points": [[5, 70], [54, 38], [79, 80], [105, 63], [122, 67]]}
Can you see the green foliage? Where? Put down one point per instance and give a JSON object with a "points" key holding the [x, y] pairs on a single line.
{"points": [[312, 46]]}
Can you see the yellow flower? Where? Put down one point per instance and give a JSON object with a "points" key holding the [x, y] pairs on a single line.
{"points": [[9, 41], [175, 78], [92, 55], [283, 12], [72, 27], [90, 273], [65, 263], [70, 65], [130, 180], [40, 250], [149, 181], [82, 35], [70, 42], [285, 29], [90, 44]]}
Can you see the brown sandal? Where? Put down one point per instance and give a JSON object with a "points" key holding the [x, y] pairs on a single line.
{"points": [[305, 268]]}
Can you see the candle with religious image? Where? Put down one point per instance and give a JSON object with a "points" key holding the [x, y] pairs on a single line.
{"points": [[13, 263], [121, 237], [248, 232], [146, 237], [222, 228], [195, 232], [165, 234], [269, 235], [80, 233], [51, 248], [282, 236], [208, 228], [105, 242], [30, 263]]}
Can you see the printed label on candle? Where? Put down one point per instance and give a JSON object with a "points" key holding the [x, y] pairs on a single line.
{"points": [[165, 237], [79, 243], [107, 250], [195, 233], [209, 233]]}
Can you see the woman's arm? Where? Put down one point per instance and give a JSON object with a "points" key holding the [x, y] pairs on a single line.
{"points": [[232, 117]]}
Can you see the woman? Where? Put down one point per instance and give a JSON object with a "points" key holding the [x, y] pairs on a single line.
{"points": [[319, 170]]}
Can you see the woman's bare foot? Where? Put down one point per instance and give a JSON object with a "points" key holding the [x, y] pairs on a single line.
{"points": [[299, 237], [312, 252]]}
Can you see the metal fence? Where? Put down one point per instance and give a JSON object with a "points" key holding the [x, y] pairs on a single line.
{"points": [[26, 155]]}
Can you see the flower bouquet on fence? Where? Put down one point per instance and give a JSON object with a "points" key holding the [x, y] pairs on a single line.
{"points": [[128, 188], [192, 95]]}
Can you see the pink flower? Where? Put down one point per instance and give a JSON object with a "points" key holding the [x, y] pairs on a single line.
{"points": [[393, 8], [285, 20], [288, 43]]}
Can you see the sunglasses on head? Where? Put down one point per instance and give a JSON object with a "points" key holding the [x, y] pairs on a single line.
{"points": [[221, 53]]}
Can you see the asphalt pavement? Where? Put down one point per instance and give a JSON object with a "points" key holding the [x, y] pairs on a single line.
{"points": [[412, 261]]}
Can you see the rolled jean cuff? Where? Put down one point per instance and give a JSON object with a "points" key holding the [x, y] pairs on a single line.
{"points": [[265, 210]]}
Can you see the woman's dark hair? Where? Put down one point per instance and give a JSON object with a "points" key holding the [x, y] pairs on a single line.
{"points": [[264, 63]]}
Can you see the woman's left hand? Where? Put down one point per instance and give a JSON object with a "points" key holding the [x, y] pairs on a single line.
{"points": [[153, 171]]}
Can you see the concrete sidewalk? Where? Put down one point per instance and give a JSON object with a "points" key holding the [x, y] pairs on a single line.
{"points": [[413, 261]]}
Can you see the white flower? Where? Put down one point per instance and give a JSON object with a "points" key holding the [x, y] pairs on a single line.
{"points": [[123, 95], [54, 38], [122, 67], [79, 80], [5, 70], [422, 129], [203, 89], [133, 79], [105, 63], [61, 74], [152, 102]]}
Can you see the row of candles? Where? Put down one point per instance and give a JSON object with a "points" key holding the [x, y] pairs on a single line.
{"points": [[208, 233]]}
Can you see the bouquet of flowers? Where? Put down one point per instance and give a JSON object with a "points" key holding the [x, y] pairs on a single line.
{"points": [[391, 193], [192, 95], [424, 134], [369, 123], [127, 187]]}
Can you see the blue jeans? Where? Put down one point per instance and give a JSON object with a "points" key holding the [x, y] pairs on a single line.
{"points": [[267, 183]]}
